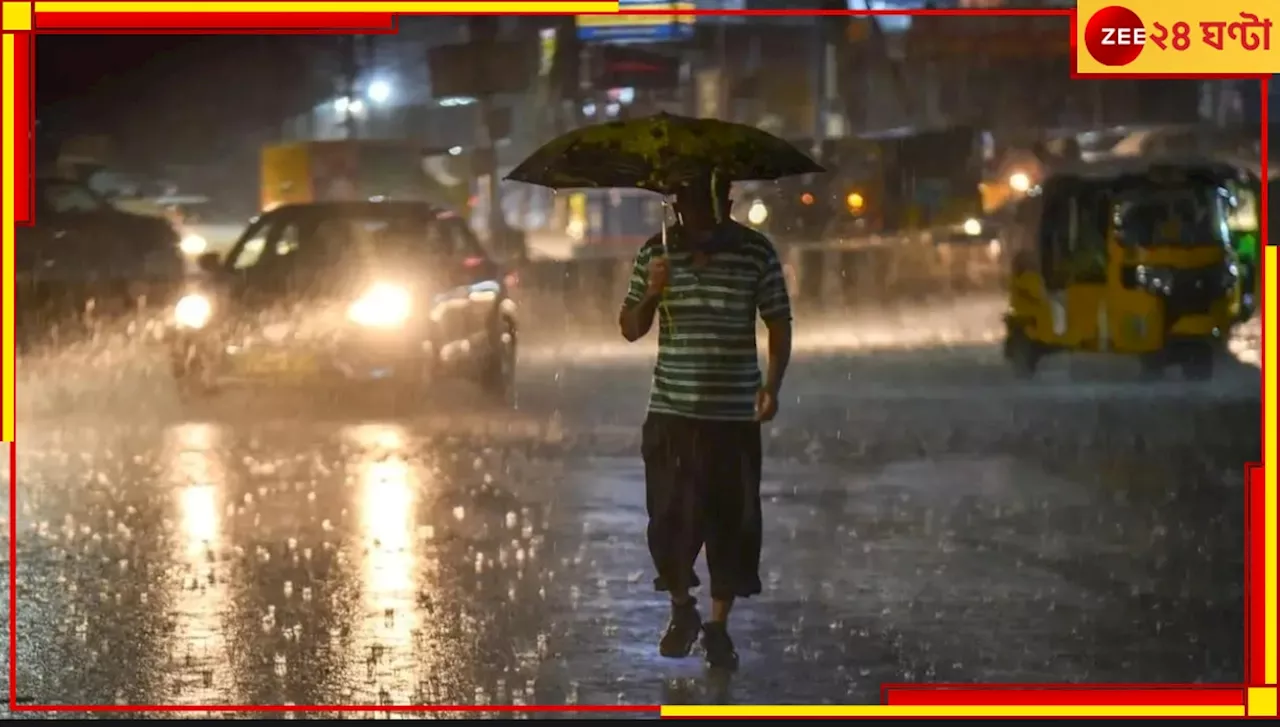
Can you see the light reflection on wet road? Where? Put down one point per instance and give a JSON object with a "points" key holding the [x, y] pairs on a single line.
{"points": [[977, 530]]}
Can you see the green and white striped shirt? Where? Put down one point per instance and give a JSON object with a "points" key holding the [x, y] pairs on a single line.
{"points": [[708, 367]]}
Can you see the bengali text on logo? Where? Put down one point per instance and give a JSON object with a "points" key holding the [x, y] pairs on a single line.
{"points": [[1175, 37]]}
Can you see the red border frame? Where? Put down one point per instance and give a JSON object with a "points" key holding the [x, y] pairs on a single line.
{"points": [[892, 694]]}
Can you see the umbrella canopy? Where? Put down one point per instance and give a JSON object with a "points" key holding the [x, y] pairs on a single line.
{"points": [[661, 153]]}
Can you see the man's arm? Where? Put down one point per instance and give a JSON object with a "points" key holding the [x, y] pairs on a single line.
{"points": [[637, 319], [775, 309], [641, 305]]}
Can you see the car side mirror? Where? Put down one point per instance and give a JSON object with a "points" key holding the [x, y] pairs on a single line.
{"points": [[209, 262]]}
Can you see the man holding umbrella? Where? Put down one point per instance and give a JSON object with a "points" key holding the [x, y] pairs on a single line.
{"points": [[705, 280], [701, 438]]}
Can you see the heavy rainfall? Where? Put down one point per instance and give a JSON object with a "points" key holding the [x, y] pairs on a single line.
{"points": [[314, 408]]}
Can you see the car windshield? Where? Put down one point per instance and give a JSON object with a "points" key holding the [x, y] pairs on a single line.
{"points": [[409, 234], [386, 237], [199, 211], [1183, 215]]}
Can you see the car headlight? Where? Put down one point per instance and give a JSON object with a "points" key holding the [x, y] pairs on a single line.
{"points": [[192, 311], [757, 213], [382, 306], [193, 245], [972, 227]]}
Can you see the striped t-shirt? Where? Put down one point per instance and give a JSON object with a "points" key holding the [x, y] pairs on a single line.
{"points": [[708, 366]]}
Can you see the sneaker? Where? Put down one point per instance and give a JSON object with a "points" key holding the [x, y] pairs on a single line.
{"points": [[682, 630], [719, 647]]}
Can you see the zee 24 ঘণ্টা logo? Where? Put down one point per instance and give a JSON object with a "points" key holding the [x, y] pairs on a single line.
{"points": [[1116, 36]]}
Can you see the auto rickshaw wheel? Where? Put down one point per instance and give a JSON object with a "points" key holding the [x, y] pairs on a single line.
{"points": [[1023, 353], [1153, 366], [1197, 363]]}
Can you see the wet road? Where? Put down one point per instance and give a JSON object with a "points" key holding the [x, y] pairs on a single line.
{"points": [[928, 519]]}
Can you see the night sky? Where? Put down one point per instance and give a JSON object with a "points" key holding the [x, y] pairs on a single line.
{"points": [[173, 96], [68, 66]]}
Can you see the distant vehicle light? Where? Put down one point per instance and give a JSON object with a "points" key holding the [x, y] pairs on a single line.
{"points": [[855, 201], [1019, 182], [972, 227], [757, 213], [806, 198]]}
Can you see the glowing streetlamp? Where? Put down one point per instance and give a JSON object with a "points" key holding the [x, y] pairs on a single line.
{"points": [[380, 92]]}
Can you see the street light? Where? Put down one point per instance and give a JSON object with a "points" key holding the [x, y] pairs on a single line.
{"points": [[380, 92]]}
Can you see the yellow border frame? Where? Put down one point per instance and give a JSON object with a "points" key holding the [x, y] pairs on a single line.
{"points": [[8, 426], [17, 16]]}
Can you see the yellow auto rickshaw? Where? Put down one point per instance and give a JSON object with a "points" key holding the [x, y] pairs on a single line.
{"points": [[1131, 258]]}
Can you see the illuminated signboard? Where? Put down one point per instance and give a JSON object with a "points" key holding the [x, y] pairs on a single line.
{"points": [[674, 22]]}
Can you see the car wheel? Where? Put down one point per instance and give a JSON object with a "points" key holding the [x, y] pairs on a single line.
{"points": [[1152, 366], [192, 375], [1197, 364], [498, 377]]}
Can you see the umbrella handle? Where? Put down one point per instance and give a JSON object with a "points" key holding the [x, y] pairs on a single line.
{"points": [[662, 304], [665, 205], [715, 199]]}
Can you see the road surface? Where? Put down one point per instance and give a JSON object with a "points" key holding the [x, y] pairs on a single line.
{"points": [[928, 519]]}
